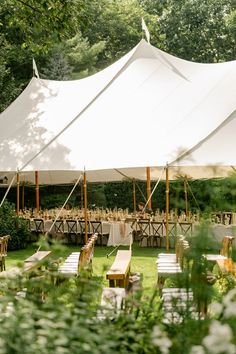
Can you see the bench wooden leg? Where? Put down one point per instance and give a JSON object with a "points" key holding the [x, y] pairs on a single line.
{"points": [[126, 282], [111, 283], [160, 283], [120, 283]]}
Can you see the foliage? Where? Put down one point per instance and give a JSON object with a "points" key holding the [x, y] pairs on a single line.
{"points": [[29, 28], [8, 86], [35, 24], [203, 196], [15, 227], [118, 23], [198, 31], [63, 318], [75, 38], [75, 58], [119, 195]]}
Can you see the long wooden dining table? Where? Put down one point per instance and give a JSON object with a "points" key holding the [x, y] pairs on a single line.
{"points": [[119, 232], [122, 232]]}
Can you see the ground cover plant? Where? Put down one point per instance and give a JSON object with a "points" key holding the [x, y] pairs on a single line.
{"points": [[63, 318], [11, 225]]}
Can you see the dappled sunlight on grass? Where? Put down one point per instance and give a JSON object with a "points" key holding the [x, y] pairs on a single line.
{"points": [[143, 261]]}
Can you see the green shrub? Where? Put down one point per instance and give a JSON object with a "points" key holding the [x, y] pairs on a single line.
{"points": [[11, 225], [62, 318]]}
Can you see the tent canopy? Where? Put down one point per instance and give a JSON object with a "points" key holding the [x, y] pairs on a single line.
{"points": [[147, 109]]}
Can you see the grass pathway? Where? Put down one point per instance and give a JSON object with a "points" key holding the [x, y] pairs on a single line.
{"points": [[143, 261]]}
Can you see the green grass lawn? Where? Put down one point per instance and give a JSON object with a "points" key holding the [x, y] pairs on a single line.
{"points": [[143, 261]]}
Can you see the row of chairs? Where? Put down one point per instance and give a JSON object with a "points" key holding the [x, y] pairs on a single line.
{"points": [[152, 233], [74, 230]]}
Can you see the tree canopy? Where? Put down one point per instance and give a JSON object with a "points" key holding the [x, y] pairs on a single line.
{"points": [[70, 39]]}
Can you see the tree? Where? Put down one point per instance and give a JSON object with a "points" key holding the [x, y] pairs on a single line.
{"points": [[198, 30], [73, 59], [36, 23], [29, 28], [118, 23], [8, 87]]}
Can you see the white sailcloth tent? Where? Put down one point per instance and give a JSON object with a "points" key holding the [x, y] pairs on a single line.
{"points": [[147, 109]]}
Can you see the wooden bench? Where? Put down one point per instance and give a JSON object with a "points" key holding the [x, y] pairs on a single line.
{"points": [[177, 303], [112, 302], [3, 251], [35, 261], [78, 261], [169, 264], [118, 274], [30, 264], [225, 251], [227, 266]]}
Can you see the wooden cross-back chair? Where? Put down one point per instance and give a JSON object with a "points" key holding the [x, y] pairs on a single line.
{"points": [[96, 228], [58, 229], [144, 229], [59, 226], [172, 228], [71, 230], [81, 231], [156, 231], [185, 228], [38, 226]]}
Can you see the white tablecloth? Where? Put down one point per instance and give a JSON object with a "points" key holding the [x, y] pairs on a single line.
{"points": [[120, 233]]}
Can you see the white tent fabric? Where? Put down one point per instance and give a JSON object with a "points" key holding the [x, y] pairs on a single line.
{"points": [[147, 109]]}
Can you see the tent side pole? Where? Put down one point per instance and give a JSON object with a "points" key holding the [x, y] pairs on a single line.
{"points": [[85, 209], [81, 194], [23, 196], [17, 193], [148, 173], [186, 196], [167, 208], [37, 190], [134, 194]]}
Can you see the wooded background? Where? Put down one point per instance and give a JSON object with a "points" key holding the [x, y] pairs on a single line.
{"points": [[71, 39]]}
